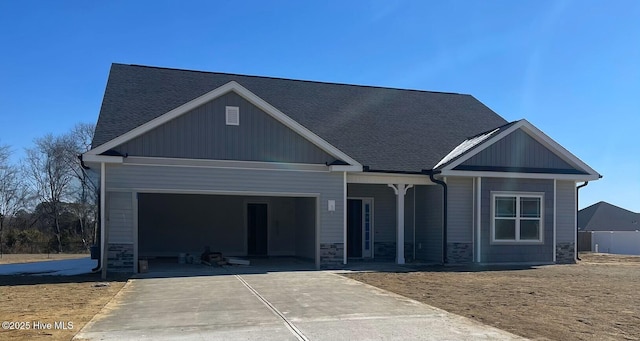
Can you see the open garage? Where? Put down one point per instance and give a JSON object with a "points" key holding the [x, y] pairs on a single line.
{"points": [[235, 225]]}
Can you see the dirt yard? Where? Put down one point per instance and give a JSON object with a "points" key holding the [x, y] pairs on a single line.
{"points": [[68, 300], [30, 258], [597, 299]]}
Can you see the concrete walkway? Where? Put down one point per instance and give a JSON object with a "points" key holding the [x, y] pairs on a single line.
{"points": [[302, 305]]}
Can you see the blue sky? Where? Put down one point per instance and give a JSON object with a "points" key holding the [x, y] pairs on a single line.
{"points": [[572, 68]]}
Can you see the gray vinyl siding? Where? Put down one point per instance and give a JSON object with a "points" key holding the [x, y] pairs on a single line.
{"points": [[203, 134], [566, 212], [120, 217], [518, 149], [460, 210], [429, 214], [384, 209], [171, 179], [500, 253]]}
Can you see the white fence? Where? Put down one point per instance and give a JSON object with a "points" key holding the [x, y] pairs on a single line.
{"points": [[617, 242]]}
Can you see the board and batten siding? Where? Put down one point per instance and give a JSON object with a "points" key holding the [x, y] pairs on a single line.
{"points": [[120, 217], [228, 181], [566, 212], [203, 134], [518, 149], [517, 252], [460, 210]]}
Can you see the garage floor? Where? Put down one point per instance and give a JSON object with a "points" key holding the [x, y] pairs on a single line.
{"points": [[169, 267], [273, 305]]}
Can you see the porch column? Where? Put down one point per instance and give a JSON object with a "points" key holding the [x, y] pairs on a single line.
{"points": [[400, 190]]}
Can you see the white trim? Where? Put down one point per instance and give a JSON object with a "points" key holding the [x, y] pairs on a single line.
{"points": [[555, 217], [230, 164], [344, 168], [517, 218], [575, 221], [372, 222], [479, 217], [213, 94], [388, 178], [90, 158], [511, 175], [539, 136], [215, 192], [103, 219], [400, 190], [344, 218], [134, 203]]}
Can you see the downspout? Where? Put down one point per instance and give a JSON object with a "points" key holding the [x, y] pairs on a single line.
{"points": [[578, 196], [444, 209], [103, 223], [98, 267]]}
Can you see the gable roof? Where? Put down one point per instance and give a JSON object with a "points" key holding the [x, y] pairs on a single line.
{"points": [[384, 129], [603, 216], [450, 164]]}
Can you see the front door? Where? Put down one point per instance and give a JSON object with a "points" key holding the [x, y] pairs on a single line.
{"points": [[257, 229], [360, 228]]}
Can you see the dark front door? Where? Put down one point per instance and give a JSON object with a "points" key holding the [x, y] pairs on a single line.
{"points": [[354, 228], [257, 229]]}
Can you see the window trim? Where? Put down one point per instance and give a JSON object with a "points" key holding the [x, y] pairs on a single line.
{"points": [[518, 218]]}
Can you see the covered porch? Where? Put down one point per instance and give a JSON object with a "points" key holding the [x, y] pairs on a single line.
{"points": [[395, 218]]}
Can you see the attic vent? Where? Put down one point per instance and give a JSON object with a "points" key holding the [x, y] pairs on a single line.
{"points": [[233, 116]]}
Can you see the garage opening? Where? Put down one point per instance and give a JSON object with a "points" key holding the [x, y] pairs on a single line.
{"points": [[245, 226]]}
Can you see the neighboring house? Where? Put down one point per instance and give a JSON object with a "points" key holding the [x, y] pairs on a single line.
{"points": [[259, 166], [608, 228], [603, 216]]}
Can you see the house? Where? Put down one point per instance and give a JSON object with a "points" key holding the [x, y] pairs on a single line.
{"points": [[603, 216], [604, 227], [261, 166]]}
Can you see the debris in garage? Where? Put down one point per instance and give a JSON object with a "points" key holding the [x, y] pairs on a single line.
{"points": [[237, 261]]}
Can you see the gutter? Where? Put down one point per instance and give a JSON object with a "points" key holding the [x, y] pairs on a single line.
{"points": [[577, 196], [431, 174]]}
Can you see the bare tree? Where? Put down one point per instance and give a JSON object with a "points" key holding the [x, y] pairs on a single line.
{"points": [[50, 176], [12, 190], [87, 194]]}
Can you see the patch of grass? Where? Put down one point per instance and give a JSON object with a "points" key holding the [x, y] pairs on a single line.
{"points": [[51, 299]]}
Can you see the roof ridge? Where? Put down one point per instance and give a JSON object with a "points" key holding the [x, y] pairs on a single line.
{"points": [[293, 80], [493, 129]]}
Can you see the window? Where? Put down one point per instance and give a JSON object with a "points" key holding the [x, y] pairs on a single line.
{"points": [[516, 217]]}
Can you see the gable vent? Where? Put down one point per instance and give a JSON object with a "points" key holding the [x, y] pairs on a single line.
{"points": [[233, 116]]}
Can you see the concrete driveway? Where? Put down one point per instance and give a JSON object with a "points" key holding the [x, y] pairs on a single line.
{"points": [[301, 305]]}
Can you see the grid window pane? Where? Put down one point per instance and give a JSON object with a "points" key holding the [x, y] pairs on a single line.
{"points": [[505, 229], [505, 207], [530, 229], [530, 207]]}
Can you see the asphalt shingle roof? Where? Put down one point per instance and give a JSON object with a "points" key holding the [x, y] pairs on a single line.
{"points": [[603, 216], [382, 128]]}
